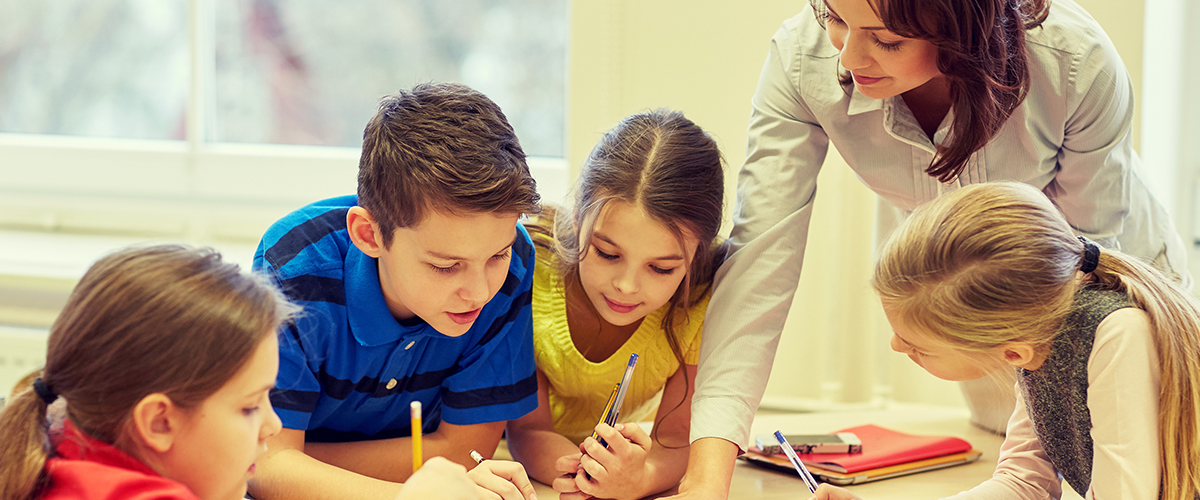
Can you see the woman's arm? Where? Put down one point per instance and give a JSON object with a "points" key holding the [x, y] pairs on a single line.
{"points": [[710, 470], [754, 288]]}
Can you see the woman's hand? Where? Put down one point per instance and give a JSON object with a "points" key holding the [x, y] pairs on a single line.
{"points": [[439, 478], [501, 479]]}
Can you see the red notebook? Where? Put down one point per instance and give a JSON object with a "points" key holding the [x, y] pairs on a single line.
{"points": [[884, 447]]}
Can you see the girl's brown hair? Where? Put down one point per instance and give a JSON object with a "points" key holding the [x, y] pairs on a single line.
{"points": [[995, 263], [667, 165], [164, 319], [981, 50]]}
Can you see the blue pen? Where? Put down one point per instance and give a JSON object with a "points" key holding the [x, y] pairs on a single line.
{"points": [[611, 413], [808, 478]]}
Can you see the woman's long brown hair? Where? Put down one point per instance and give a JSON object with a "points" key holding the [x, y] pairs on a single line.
{"points": [[981, 50]]}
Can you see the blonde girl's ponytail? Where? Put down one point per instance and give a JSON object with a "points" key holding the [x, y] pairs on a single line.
{"points": [[997, 262], [1175, 326], [24, 445]]}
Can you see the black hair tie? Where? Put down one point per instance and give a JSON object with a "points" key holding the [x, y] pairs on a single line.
{"points": [[43, 391], [1091, 255]]}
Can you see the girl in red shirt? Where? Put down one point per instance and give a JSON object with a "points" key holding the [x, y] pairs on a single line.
{"points": [[161, 363]]}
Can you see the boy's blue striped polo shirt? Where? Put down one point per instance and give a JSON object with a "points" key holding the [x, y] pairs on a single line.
{"points": [[348, 369]]}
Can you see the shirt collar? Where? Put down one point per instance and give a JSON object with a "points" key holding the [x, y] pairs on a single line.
{"points": [[73, 444], [371, 322], [860, 103]]}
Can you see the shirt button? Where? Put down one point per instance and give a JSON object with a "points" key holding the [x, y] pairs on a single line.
{"points": [[410, 344], [391, 384]]}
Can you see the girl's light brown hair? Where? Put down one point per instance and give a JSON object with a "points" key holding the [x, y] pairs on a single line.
{"points": [[996, 263], [980, 49], [667, 165], [163, 319]]}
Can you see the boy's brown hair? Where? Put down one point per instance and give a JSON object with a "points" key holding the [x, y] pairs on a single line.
{"points": [[444, 147]]}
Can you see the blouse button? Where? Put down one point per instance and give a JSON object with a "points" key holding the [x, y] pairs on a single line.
{"points": [[391, 384]]}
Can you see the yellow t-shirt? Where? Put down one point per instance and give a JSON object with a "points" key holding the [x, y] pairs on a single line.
{"points": [[579, 388]]}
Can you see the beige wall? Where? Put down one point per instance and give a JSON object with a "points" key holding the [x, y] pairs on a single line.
{"points": [[703, 57]]}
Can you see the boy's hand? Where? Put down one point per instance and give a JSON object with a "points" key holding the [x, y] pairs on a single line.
{"points": [[830, 492], [439, 478], [618, 471], [501, 479]]}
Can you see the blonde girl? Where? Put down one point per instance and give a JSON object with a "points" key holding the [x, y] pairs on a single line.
{"points": [[1107, 349], [626, 270]]}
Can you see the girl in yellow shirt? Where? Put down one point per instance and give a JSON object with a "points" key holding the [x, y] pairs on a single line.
{"points": [[626, 270]]}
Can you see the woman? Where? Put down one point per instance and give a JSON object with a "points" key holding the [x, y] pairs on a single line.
{"points": [[920, 98]]}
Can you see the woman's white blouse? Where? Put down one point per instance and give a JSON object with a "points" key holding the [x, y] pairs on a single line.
{"points": [[1071, 138]]}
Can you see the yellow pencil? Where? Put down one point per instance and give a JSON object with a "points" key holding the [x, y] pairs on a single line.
{"points": [[612, 398], [415, 409]]}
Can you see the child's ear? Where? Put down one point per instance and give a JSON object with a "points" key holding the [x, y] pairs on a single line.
{"points": [[1018, 354], [156, 422], [364, 232]]}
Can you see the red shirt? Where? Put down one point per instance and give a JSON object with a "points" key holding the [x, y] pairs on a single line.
{"points": [[86, 469]]}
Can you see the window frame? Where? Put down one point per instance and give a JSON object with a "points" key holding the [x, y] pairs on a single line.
{"points": [[57, 182]]}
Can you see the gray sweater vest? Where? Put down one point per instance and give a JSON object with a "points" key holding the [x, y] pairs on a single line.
{"points": [[1056, 393]]}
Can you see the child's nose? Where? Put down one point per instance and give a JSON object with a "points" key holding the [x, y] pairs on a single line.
{"points": [[272, 426], [475, 290], [626, 280]]}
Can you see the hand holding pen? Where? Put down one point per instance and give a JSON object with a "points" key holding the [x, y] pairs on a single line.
{"points": [[503, 479], [613, 450], [619, 469]]}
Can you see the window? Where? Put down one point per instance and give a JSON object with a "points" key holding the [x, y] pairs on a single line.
{"points": [[164, 109]]}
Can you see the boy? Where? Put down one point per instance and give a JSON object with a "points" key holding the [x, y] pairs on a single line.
{"points": [[416, 290]]}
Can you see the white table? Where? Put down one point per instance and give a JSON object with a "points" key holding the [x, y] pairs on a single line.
{"points": [[752, 482]]}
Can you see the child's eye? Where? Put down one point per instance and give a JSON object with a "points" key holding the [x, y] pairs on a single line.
{"points": [[502, 256], [663, 270], [605, 256], [446, 270], [249, 411]]}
